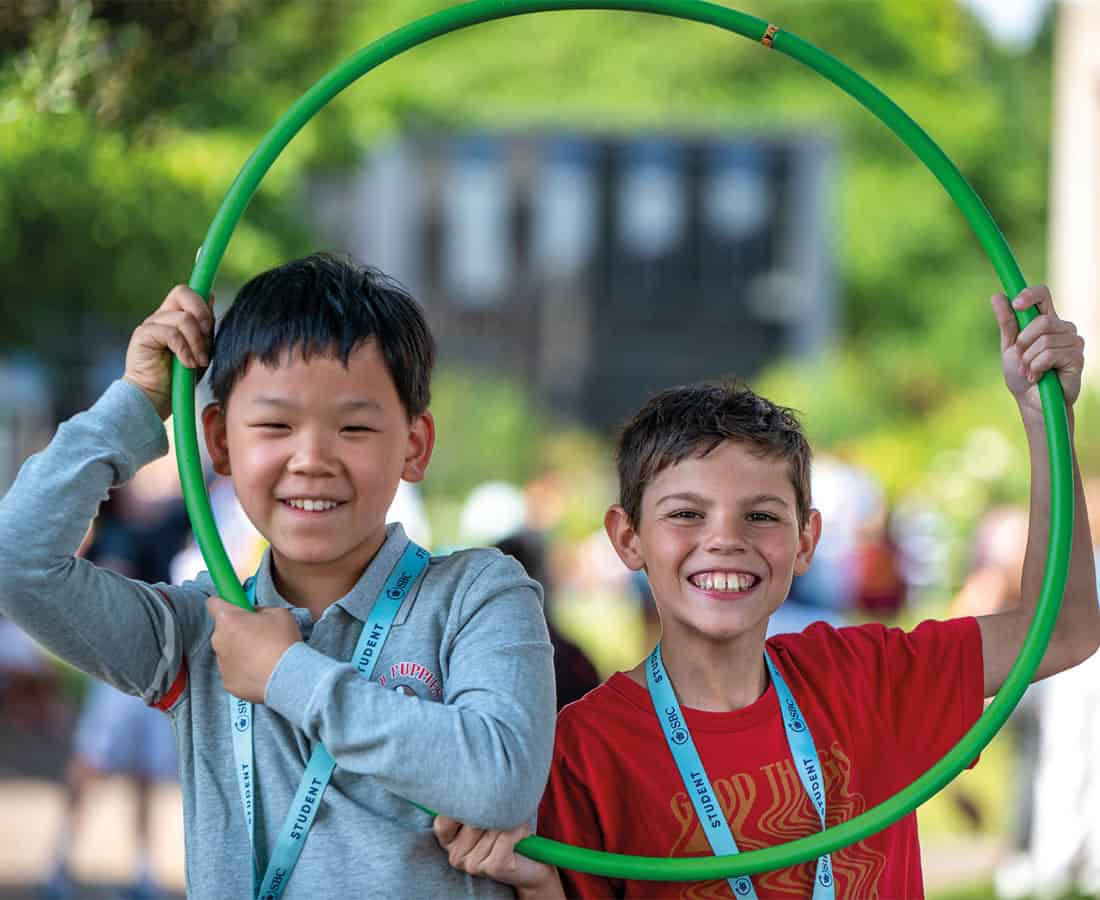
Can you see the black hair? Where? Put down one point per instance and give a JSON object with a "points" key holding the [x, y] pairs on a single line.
{"points": [[694, 420], [325, 304]]}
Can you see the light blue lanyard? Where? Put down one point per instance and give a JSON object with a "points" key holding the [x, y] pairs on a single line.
{"points": [[303, 809], [703, 798]]}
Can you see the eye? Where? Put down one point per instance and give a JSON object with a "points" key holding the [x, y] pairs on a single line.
{"points": [[358, 429], [762, 517], [686, 515], [271, 426]]}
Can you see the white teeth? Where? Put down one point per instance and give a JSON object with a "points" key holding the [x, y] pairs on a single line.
{"points": [[724, 581], [313, 505]]}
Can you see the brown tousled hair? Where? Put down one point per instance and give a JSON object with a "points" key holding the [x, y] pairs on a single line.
{"points": [[694, 420]]}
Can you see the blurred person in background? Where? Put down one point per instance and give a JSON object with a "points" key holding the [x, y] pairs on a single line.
{"points": [[847, 497], [992, 585], [138, 532], [880, 588], [496, 513], [1065, 835], [29, 684], [574, 674]]}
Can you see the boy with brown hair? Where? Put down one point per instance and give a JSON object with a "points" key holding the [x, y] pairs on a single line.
{"points": [[723, 740]]}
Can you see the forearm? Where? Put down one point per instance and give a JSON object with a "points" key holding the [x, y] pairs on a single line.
{"points": [[482, 758], [1077, 629], [97, 620]]}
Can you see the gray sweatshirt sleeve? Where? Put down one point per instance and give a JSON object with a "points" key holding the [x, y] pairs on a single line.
{"points": [[112, 627], [483, 754]]}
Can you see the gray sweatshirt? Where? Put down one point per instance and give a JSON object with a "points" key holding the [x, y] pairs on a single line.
{"points": [[462, 724]]}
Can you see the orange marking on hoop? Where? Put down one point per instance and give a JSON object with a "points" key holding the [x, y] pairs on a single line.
{"points": [[769, 36]]}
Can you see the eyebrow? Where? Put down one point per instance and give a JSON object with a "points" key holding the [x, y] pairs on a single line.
{"points": [[348, 406], [689, 497]]}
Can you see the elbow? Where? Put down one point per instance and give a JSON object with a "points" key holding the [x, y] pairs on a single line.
{"points": [[1089, 641], [1089, 631], [1081, 641], [10, 570], [25, 563], [510, 792], [511, 800], [18, 584]]}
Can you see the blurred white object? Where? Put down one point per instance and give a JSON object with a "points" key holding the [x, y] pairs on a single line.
{"points": [[492, 511], [243, 543], [408, 509]]}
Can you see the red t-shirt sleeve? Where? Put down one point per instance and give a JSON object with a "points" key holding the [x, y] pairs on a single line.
{"points": [[930, 687], [567, 814]]}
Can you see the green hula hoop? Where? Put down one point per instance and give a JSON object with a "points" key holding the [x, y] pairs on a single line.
{"points": [[992, 241]]}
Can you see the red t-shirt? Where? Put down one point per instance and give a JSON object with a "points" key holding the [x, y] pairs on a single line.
{"points": [[883, 705]]}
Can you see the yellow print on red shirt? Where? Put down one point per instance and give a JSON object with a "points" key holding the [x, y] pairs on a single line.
{"points": [[776, 805]]}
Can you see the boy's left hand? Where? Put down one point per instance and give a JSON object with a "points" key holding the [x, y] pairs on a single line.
{"points": [[1048, 342], [248, 645], [491, 854]]}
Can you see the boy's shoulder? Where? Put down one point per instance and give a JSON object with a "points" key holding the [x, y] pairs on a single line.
{"points": [[824, 646], [477, 573], [874, 665], [612, 708], [474, 562], [819, 651]]}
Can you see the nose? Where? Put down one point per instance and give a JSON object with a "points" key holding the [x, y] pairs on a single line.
{"points": [[726, 536], [312, 454]]}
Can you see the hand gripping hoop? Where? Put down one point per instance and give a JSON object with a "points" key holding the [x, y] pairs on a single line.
{"points": [[992, 241]]}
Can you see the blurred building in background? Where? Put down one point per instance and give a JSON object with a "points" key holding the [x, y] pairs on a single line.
{"points": [[600, 269]]}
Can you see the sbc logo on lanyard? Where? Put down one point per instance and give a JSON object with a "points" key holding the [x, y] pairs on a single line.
{"points": [[795, 716], [686, 757], [244, 716], [676, 729]]}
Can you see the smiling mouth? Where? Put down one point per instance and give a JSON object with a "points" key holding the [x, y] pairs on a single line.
{"points": [[724, 582], [309, 505]]}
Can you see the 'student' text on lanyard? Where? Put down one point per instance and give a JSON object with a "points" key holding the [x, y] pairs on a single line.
{"points": [[307, 800], [698, 784]]}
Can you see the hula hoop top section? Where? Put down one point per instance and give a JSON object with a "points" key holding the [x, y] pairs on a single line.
{"points": [[992, 242]]}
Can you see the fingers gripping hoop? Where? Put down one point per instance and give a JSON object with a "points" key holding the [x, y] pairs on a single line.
{"points": [[988, 234]]}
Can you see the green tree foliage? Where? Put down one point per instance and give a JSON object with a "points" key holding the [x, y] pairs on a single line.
{"points": [[122, 122]]}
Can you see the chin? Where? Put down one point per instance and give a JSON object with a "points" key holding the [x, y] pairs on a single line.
{"points": [[311, 556], [727, 629]]}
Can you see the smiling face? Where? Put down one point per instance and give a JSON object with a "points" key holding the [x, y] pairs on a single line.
{"points": [[720, 540], [316, 450]]}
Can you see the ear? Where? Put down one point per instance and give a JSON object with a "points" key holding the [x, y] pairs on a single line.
{"points": [[624, 538], [217, 444], [418, 451], [807, 542]]}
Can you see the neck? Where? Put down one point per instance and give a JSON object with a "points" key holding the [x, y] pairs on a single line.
{"points": [[315, 586], [715, 677]]}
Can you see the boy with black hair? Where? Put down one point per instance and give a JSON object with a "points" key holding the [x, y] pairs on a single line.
{"points": [[723, 740], [320, 374]]}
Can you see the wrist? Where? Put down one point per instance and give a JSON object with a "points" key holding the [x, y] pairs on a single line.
{"points": [[1034, 420], [548, 887], [161, 402], [275, 658]]}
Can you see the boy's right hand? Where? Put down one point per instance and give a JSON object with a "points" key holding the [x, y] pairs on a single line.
{"points": [[491, 854], [183, 325]]}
